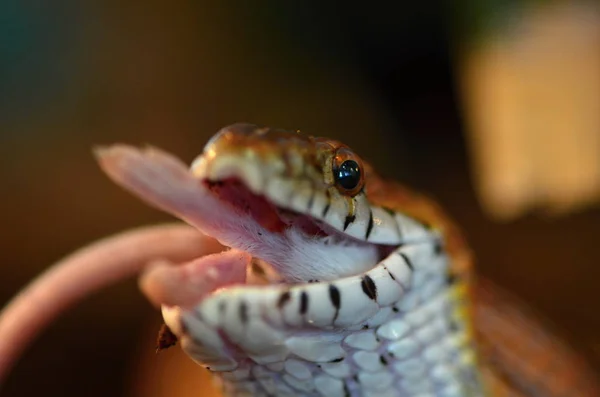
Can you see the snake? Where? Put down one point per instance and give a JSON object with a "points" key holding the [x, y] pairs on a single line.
{"points": [[306, 273]]}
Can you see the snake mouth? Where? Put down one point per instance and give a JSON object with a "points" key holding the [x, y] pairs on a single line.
{"points": [[234, 193], [297, 246], [266, 217]]}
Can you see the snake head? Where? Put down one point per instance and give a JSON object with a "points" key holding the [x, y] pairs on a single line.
{"points": [[307, 193], [296, 202], [261, 155]]}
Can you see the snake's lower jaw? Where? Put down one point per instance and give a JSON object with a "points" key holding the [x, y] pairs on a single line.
{"points": [[185, 285]]}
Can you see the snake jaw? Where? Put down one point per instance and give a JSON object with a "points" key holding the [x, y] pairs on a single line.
{"points": [[298, 246], [284, 182], [279, 201], [165, 182]]}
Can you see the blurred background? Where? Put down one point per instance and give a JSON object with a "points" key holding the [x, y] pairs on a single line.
{"points": [[492, 109]]}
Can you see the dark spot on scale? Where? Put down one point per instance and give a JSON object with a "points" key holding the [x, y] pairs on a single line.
{"points": [[259, 233], [222, 307], [303, 302], [355, 377], [328, 205], [366, 326], [346, 391], [311, 201], [283, 299], [334, 296], [395, 309], [389, 211], [348, 221], [369, 226], [427, 225], [438, 247], [453, 325], [243, 312], [337, 360], [390, 273], [407, 260], [383, 360], [452, 278], [369, 287]]}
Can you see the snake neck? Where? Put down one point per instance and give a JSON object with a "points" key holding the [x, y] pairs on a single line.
{"points": [[418, 344]]}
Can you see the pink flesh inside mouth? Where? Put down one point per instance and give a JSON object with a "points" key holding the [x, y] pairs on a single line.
{"points": [[274, 219], [298, 247], [187, 284], [236, 195]]}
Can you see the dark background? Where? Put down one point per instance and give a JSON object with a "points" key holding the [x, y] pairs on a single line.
{"points": [[380, 78]]}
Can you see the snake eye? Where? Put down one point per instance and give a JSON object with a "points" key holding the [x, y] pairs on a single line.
{"points": [[347, 172]]}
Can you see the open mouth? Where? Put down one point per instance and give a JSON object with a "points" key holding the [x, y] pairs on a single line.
{"points": [[272, 218], [280, 225], [342, 243], [258, 222]]}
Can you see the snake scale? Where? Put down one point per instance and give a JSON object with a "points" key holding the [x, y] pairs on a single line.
{"points": [[335, 282]]}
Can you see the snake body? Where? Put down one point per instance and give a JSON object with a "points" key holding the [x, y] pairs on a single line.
{"points": [[356, 285]]}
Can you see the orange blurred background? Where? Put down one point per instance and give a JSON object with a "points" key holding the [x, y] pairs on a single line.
{"points": [[73, 75]]}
